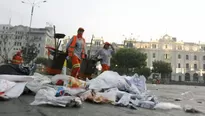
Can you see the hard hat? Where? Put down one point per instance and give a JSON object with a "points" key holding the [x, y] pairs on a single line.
{"points": [[81, 29], [107, 43]]}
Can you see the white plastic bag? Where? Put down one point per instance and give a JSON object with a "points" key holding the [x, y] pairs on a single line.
{"points": [[167, 106], [124, 100], [138, 81], [38, 82], [147, 104], [5, 85], [69, 81], [46, 95], [16, 91], [108, 79], [74, 91], [110, 94], [133, 89], [17, 78], [55, 78]]}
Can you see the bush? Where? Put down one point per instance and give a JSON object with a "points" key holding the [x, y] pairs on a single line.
{"points": [[41, 60]]}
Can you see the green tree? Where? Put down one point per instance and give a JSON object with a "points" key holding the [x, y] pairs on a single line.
{"points": [[163, 68], [144, 71], [128, 60], [42, 61]]}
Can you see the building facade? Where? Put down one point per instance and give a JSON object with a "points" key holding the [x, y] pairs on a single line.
{"points": [[13, 38], [187, 59]]}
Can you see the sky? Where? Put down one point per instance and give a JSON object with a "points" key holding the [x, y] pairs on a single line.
{"points": [[111, 19]]}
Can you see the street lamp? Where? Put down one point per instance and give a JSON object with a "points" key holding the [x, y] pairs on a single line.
{"points": [[33, 5]]}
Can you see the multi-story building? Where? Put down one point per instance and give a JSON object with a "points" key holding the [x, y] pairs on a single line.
{"points": [[97, 43], [13, 38], [42, 37], [187, 59], [64, 43]]}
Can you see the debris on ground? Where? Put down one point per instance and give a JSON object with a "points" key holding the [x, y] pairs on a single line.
{"points": [[167, 106], [178, 99], [108, 87], [190, 109]]}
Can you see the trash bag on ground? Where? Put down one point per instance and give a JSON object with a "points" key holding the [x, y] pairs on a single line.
{"points": [[124, 100], [5, 85], [47, 95], [108, 96], [68, 81], [13, 92], [147, 104], [17, 78], [138, 81], [108, 79], [14, 69], [38, 82], [70, 91], [167, 106]]}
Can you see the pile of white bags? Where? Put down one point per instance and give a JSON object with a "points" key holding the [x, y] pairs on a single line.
{"points": [[12, 86], [108, 87]]}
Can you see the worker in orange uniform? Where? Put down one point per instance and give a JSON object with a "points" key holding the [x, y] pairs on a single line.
{"points": [[105, 54], [76, 49], [17, 58]]}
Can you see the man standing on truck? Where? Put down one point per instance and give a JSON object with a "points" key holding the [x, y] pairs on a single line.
{"points": [[105, 54], [76, 49]]}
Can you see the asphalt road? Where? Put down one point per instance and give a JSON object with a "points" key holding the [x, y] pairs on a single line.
{"points": [[167, 93]]}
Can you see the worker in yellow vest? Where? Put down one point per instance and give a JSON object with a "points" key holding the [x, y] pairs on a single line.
{"points": [[76, 49]]}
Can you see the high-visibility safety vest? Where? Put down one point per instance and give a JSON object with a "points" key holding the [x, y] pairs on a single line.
{"points": [[17, 60], [72, 46]]}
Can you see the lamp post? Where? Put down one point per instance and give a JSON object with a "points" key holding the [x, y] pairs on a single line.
{"points": [[33, 5]]}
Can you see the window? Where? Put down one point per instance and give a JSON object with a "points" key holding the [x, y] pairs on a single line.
{"points": [[3, 27], [180, 78], [195, 57], [187, 65], [179, 56], [203, 48], [195, 66], [154, 46], [179, 65], [179, 47], [203, 66], [187, 57], [203, 57], [153, 55], [166, 56]]}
